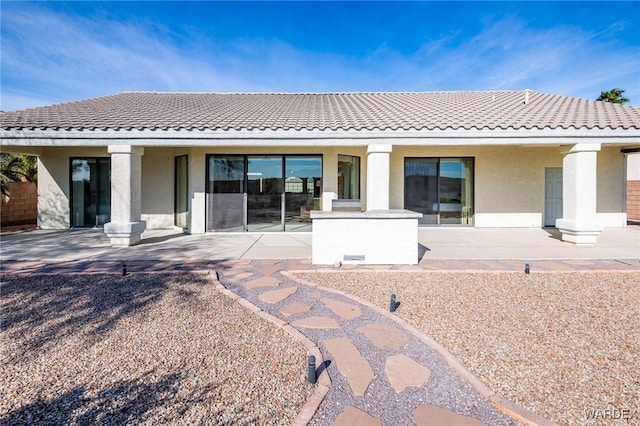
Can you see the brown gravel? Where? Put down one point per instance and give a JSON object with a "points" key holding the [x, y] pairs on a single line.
{"points": [[558, 344], [150, 349]]}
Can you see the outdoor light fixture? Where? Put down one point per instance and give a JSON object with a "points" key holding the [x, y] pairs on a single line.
{"points": [[311, 370], [393, 305], [526, 268], [124, 269]]}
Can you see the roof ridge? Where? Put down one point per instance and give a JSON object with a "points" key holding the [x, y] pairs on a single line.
{"points": [[320, 93]]}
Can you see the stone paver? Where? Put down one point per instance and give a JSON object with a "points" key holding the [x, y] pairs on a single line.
{"points": [[385, 337], [316, 322], [270, 269], [262, 282], [403, 372], [275, 296], [240, 276], [351, 364], [295, 308], [344, 310], [351, 416], [430, 415]]}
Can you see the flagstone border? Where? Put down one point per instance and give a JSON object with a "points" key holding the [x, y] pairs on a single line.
{"points": [[324, 381], [509, 408]]}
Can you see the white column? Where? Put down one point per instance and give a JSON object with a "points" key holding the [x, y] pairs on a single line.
{"points": [[125, 227], [578, 224], [378, 177], [197, 190], [329, 178]]}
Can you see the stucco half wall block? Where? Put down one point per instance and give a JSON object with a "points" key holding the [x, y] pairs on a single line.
{"points": [[126, 226], [371, 237]]}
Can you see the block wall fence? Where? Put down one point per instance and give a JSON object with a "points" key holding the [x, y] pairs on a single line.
{"points": [[22, 206], [633, 200]]}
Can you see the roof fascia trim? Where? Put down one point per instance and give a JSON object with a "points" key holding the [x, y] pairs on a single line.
{"points": [[173, 137]]}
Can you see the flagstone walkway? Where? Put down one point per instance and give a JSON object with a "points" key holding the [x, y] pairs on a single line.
{"points": [[381, 373]]}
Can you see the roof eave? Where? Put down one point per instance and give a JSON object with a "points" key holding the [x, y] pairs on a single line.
{"points": [[171, 137]]}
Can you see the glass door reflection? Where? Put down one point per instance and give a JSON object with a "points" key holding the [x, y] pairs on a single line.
{"points": [[265, 196], [225, 193], [303, 188], [421, 188]]}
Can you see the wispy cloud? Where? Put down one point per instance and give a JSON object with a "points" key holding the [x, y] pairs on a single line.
{"points": [[50, 56]]}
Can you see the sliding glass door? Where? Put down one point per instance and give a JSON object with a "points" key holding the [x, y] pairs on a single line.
{"points": [[441, 189], [226, 196], [90, 192], [262, 193], [421, 188], [265, 196]]}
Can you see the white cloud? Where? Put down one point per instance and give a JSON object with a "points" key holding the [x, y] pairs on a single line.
{"points": [[50, 57]]}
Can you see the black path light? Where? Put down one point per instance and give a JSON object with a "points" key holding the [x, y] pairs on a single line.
{"points": [[311, 370], [393, 305], [124, 269], [527, 269]]}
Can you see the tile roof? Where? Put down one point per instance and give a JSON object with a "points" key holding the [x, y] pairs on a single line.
{"points": [[324, 111]]}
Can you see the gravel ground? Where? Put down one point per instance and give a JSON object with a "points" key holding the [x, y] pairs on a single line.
{"points": [[557, 344], [149, 349], [444, 388]]}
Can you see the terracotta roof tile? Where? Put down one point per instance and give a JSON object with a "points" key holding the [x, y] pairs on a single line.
{"points": [[297, 111]]}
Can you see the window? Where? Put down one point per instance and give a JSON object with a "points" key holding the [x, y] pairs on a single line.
{"points": [[441, 189]]}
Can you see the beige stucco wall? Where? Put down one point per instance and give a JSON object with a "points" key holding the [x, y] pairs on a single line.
{"points": [[158, 186], [510, 182], [53, 184], [610, 204]]}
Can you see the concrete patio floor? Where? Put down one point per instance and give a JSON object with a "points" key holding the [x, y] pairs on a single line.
{"points": [[435, 243]]}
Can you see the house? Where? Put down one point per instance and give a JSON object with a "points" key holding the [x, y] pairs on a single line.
{"points": [[263, 161]]}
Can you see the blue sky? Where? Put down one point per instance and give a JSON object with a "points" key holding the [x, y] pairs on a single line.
{"points": [[60, 51]]}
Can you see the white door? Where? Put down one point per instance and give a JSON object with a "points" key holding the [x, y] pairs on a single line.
{"points": [[552, 195]]}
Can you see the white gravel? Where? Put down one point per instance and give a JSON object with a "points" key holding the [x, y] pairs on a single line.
{"points": [[144, 349], [558, 344]]}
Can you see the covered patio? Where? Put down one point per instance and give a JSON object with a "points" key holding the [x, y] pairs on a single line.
{"points": [[522, 244]]}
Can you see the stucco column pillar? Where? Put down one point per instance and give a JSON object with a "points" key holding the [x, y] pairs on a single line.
{"points": [[578, 224], [125, 227], [378, 177], [329, 178], [197, 191]]}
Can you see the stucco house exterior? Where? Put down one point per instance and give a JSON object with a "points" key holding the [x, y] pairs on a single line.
{"points": [[214, 162]]}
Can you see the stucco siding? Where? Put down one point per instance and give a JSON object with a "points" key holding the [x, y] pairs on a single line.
{"points": [[509, 181], [158, 187], [53, 184], [610, 192]]}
